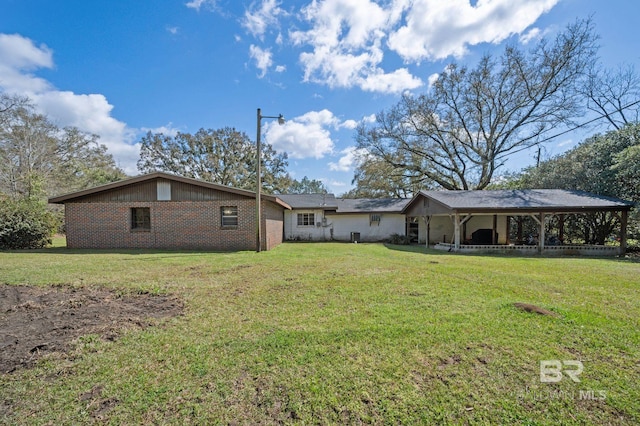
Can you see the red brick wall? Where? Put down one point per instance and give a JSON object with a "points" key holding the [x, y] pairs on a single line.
{"points": [[273, 218], [174, 225]]}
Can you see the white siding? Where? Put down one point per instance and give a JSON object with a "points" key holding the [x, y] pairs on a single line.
{"points": [[305, 233], [344, 225], [339, 227]]}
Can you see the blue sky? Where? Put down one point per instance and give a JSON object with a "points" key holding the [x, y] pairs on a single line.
{"points": [[120, 68]]}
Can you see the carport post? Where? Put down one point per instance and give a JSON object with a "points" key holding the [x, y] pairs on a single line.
{"points": [[427, 222], [624, 217], [456, 231], [541, 235]]}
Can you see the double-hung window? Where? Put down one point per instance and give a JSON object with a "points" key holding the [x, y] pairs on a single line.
{"points": [[306, 219], [229, 216]]}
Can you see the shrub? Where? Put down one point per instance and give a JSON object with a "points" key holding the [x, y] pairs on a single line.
{"points": [[633, 246], [25, 224], [398, 239]]}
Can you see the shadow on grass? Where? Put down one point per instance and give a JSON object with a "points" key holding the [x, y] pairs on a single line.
{"points": [[414, 248], [132, 251]]}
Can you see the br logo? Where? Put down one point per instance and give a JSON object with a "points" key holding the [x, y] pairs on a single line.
{"points": [[552, 371]]}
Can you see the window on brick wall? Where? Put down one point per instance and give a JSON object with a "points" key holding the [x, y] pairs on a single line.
{"points": [[229, 215], [140, 219], [306, 219]]}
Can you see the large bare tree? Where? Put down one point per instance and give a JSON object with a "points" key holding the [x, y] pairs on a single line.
{"points": [[614, 94], [38, 159], [463, 128]]}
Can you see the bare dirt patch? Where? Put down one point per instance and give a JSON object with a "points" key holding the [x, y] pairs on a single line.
{"points": [[35, 321]]}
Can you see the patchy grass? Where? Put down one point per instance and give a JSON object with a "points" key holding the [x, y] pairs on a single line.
{"points": [[340, 333]]}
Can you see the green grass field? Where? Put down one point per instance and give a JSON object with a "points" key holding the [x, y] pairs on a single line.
{"points": [[330, 333]]}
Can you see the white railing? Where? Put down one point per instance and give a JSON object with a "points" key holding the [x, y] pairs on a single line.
{"points": [[575, 249]]}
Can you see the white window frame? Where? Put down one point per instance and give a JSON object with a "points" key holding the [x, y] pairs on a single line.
{"points": [[305, 220]]}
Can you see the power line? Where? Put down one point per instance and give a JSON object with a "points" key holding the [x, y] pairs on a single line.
{"points": [[600, 117]]}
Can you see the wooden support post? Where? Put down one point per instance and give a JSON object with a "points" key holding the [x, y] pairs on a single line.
{"points": [[508, 231], [495, 229], [623, 231], [561, 229], [541, 236], [456, 231], [427, 221], [519, 234]]}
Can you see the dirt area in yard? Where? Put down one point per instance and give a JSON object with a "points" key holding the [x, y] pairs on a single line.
{"points": [[35, 321]]}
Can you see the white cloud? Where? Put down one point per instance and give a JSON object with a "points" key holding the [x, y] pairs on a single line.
{"points": [[534, 34], [434, 29], [369, 118], [173, 30], [346, 37], [565, 142], [395, 82], [90, 113], [197, 4], [433, 78], [307, 136], [281, 68], [349, 124], [258, 19], [349, 39], [262, 57], [334, 183], [348, 161], [20, 53], [167, 130], [19, 56]]}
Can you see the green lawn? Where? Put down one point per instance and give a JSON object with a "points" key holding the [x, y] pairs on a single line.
{"points": [[331, 333]]}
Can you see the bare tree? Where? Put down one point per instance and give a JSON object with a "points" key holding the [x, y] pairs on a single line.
{"points": [[457, 134], [614, 94], [37, 158]]}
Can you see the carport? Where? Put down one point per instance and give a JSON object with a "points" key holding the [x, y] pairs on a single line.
{"points": [[539, 204]]}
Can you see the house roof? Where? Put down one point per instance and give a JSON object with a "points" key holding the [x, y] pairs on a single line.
{"points": [[61, 199], [526, 200], [329, 202], [310, 201], [371, 205]]}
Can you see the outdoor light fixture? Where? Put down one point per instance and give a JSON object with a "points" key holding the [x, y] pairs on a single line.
{"points": [[259, 177]]}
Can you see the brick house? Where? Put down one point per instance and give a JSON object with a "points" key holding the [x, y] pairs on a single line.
{"points": [[160, 210]]}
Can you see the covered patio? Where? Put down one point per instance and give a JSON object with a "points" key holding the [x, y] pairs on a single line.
{"points": [[493, 211]]}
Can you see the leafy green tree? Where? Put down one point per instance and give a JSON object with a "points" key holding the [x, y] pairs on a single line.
{"points": [[307, 186], [604, 164], [82, 162], [460, 132], [224, 156], [25, 224]]}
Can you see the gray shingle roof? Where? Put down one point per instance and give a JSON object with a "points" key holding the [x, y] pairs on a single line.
{"points": [[310, 201], [371, 205], [537, 199]]}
